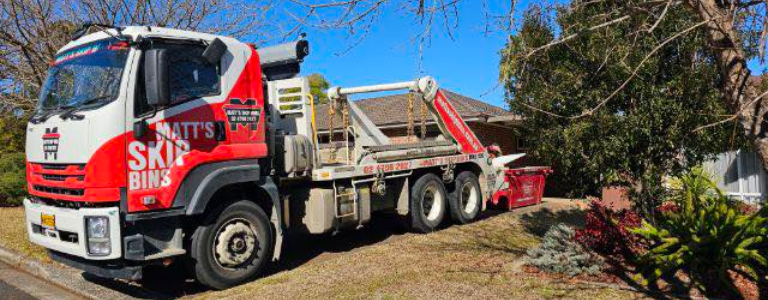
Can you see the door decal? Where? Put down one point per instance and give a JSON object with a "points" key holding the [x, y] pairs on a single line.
{"points": [[242, 113]]}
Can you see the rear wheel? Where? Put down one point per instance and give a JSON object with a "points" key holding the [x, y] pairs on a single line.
{"points": [[233, 246], [428, 203], [466, 199]]}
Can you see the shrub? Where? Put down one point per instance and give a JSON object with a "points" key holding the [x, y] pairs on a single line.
{"points": [[707, 235], [13, 184], [608, 232], [560, 253]]}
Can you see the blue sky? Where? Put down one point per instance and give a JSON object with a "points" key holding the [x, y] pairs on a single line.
{"points": [[468, 64]]}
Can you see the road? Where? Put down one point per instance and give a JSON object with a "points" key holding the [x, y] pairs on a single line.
{"points": [[19, 285]]}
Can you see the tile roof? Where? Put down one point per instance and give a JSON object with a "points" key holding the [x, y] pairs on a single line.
{"points": [[391, 109]]}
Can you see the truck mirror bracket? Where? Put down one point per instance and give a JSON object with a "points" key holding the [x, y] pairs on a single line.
{"points": [[215, 51], [140, 128]]}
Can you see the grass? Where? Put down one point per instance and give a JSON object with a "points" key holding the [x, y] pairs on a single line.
{"points": [[13, 234], [478, 261]]}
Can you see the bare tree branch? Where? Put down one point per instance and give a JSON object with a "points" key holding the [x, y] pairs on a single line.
{"points": [[575, 35]]}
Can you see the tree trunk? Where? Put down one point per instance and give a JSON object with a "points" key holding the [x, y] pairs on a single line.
{"points": [[738, 90]]}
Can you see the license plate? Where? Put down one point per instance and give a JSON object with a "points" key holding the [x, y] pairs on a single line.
{"points": [[48, 221]]}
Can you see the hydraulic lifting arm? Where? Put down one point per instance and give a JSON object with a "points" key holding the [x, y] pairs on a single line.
{"points": [[445, 115]]}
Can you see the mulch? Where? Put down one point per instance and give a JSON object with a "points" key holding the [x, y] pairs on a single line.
{"points": [[619, 274]]}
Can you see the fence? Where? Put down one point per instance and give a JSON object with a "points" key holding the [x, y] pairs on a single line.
{"points": [[740, 175]]}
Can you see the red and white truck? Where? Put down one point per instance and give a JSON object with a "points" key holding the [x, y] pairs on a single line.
{"points": [[152, 145]]}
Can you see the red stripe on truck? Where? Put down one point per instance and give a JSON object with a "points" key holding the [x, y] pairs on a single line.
{"points": [[456, 125]]}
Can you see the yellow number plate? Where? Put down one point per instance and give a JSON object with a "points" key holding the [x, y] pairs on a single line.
{"points": [[48, 221]]}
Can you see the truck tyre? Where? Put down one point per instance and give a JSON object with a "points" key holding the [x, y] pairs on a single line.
{"points": [[232, 246], [428, 203], [466, 198]]}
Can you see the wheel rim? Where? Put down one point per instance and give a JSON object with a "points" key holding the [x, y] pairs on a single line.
{"points": [[432, 202], [235, 244], [470, 197]]}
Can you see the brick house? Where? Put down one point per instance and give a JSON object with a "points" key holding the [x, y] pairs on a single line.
{"points": [[490, 123]]}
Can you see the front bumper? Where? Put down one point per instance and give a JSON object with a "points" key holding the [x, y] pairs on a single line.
{"points": [[69, 235], [106, 269]]}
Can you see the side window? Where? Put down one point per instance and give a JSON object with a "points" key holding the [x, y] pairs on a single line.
{"points": [[191, 77]]}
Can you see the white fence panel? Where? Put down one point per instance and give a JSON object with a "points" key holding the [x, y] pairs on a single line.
{"points": [[740, 175]]}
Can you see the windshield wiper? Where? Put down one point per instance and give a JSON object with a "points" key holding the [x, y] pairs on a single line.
{"points": [[39, 119], [70, 110]]}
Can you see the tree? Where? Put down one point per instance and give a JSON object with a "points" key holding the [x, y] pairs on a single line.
{"points": [[12, 161], [646, 130], [318, 87], [736, 32], [34, 30]]}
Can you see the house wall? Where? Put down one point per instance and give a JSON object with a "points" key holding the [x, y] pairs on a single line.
{"points": [[740, 175], [488, 134]]}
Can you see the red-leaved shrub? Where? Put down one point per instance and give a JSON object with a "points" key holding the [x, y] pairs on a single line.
{"points": [[746, 208], [607, 231], [668, 207]]}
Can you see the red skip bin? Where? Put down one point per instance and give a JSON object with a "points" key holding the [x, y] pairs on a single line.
{"points": [[522, 187]]}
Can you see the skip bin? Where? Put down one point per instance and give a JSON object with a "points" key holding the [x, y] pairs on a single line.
{"points": [[522, 187]]}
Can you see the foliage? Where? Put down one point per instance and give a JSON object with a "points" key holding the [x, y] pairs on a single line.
{"points": [[560, 253], [12, 133], [13, 183], [608, 232], [706, 235], [645, 130], [318, 87]]}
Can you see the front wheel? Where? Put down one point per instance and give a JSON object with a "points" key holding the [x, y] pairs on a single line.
{"points": [[232, 246], [466, 199]]}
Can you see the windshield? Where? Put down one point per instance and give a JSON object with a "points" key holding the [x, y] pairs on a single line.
{"points": [[86, 76]]}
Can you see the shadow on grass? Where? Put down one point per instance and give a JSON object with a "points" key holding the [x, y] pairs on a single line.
{"points": [[539, 222], [509, 233], [677, 289], [503, 234], [298, 249], [158, 283]]}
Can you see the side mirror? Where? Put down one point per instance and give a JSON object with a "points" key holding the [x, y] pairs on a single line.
{"points": [[215, 50], [140, 129], [156, 77]]}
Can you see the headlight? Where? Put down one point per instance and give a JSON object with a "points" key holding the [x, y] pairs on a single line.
{"points": [[98, 236]]}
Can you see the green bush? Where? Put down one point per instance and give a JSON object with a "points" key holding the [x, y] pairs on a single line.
{"points": [[560, 253], [705, 234], [13, 183]]}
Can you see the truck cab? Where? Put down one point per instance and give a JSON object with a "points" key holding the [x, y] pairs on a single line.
{"points": [[151, 146]]}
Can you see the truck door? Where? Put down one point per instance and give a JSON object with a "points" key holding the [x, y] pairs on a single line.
{"points": [[214, 115]]}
